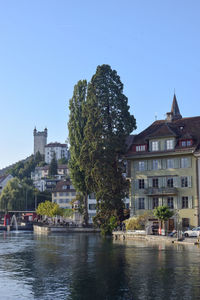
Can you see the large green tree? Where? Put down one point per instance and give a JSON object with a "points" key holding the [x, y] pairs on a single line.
{"points": [[17, 195], [108, 124], [76, 126]]}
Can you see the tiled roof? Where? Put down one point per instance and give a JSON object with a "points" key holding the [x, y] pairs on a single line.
{"points": [[56, 144], [60, 186], [183, 128]]}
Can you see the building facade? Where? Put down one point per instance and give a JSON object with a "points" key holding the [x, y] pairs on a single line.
{"points": [[40, 140], [60, 150], [164, 168]]}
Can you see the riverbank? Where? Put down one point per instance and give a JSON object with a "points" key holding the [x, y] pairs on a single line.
{"points": [[128, 235]]}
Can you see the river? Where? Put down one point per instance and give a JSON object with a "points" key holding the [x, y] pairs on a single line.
{"points": [[85, 266]]}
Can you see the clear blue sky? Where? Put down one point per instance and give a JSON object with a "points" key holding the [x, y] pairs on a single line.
{"points": [[47, 46]]}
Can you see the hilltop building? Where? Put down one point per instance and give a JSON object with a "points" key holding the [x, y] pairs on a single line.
{"points": [[40, 141], [164, 168], [60, 150]]}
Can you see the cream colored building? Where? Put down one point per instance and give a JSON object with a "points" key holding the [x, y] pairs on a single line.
{"points": [[164, 164]]}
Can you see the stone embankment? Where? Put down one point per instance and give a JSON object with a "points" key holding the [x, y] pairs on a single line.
{"points": [[51, 229], [141, 235]]}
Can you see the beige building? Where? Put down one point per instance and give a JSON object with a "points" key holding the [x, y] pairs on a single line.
{"points": [[164, 168], [63, 194]]}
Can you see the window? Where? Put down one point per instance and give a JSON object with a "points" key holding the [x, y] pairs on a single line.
{"points": [[184, 162], [170, 163], [141, 184], [155, 164], [155, 146], [186, 143], [155, 182], [184, 202], [155, 202], [170, 182], [140, 148], [184, 181], [61, 194], [141, 166], [170, 144], [141, 203], [170, 202], [92, 206], [189, 143], [183, 143], [186, 222]]}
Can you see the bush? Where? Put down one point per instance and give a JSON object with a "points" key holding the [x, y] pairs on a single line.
{"points": [[137, 223]]}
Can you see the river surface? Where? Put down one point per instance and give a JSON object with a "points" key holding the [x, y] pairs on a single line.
{"points": [[85, 266]]}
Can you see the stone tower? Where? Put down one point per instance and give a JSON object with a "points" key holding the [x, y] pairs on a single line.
{"points": [[40, 140]]}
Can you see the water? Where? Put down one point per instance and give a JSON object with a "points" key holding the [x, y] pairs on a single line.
{"points": [[84, 266]]}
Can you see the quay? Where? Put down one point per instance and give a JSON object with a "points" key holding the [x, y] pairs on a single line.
{"points": [[41, 228], [141, 235]]}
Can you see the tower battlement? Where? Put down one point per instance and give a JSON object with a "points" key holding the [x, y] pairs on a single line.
{"points": [[40, 140]]}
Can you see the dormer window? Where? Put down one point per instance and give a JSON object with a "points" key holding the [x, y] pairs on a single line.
{"points": [[186, 143], [155, 145], [140, 148], [170, 144]]}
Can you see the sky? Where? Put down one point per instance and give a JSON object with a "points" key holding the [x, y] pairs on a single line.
{"points": [[47, 46]]}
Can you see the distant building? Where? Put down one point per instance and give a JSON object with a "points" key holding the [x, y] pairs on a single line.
{"points": [[60, 150], [4, 180], [41, 178], [40, 140], [164, 168], [63, 194]]}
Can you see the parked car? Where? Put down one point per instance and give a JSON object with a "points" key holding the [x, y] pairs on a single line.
{"points": [[193, 232]]}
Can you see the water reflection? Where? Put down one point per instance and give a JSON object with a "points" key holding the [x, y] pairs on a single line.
{"points": [[85, 266]]}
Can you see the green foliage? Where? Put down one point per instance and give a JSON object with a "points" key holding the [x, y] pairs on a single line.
{"points": [[76, 126], [17, 195], [53, 167], [137, 223], [62, 161], [108, 124], [163, 213], [68, 212], [22, 170], [49, 209]]}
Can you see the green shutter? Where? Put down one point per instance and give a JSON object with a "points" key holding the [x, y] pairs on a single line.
{"points": [[149, 165], [189, 181], [176, 203], [189, 162], [146, 206], [145, 165], [159, 164], [150, 182], [164, 163], [190, 202], [150, 203], [176, 163]]}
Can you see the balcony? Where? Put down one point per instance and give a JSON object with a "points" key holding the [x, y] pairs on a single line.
{"points": [[161, 191]]}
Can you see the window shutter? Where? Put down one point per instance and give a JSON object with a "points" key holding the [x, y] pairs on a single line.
{"points": [[159, 145], [159, 164], [175, 181], [176, 203], [165, 201], [189, 181], [164, 163], [160, 201], [190, 204], [146, 206], [146, 183], [189, 162], [150, 146], [150, 182], [160, 182], [145, 165], [176, 163], [150, 203], [164, 181], [149, 165], [179, 202]]}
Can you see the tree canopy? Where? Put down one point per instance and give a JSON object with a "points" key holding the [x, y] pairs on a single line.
{"points": [[76, 126], [49, 209], [163, 213], [108, 123], [53, 167]]}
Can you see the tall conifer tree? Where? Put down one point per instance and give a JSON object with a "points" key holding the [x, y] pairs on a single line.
{"points": [[76, 127], [108, 124]]}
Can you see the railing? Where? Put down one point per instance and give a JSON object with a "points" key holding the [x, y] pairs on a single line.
{"points": [[161, 191]]}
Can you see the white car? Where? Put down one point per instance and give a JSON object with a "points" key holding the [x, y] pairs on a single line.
{"points": [[194, 232]]}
